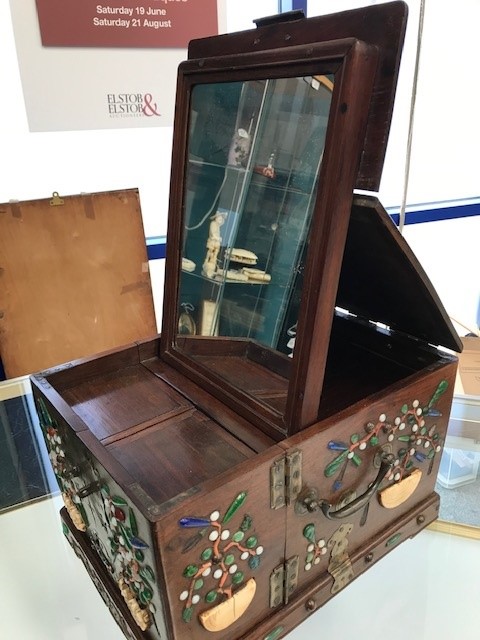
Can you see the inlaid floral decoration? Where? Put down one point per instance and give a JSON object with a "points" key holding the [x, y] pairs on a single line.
{"points": [[125, 559], [413, 428], [64, 471], [218, 572], [316, 548]]}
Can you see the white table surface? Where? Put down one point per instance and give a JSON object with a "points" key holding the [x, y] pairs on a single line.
{"points": [[428, 588]]}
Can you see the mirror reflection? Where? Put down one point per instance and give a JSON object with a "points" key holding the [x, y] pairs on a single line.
{"points": [[254, 154]]}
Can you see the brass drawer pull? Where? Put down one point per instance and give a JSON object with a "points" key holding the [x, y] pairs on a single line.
{"points": [[309, 503]]}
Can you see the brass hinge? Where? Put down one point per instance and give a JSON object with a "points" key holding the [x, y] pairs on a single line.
{"points": [[285, 479], [283, 581], [340, 566]]}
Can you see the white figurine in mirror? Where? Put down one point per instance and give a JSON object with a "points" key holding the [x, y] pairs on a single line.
{"points": [[292, 334], [213, 245]]}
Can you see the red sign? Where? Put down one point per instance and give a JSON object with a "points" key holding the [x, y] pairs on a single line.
{"points": [[125, 23]]}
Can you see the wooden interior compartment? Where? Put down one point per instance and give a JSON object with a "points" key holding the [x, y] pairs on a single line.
{"points": [[166, 444], [176, 455], [115, 403], [257, 370]]}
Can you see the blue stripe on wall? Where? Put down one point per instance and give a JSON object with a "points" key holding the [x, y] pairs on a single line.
{"points": [[292, 5], [156, 247], [415, 215], [428, 213]]}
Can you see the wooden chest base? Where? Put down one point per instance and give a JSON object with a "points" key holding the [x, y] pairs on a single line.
{"points": [[284, 619]]}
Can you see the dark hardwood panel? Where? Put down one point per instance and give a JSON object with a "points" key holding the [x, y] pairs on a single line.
{"points": [[221, 413], [111, 403], [175, 456], [244, 374]]}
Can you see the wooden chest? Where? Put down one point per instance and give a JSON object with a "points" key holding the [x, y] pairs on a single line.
{"points": [[284, 432]]}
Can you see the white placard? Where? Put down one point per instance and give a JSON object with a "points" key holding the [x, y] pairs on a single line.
{"points": [[93, 88]]}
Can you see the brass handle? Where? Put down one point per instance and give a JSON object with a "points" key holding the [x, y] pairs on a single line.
{"points": [[309, 503], [357, 504]]}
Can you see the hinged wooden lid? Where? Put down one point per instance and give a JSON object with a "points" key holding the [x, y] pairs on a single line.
{"points": [[74, 279], [382, 26], [381, 279]]}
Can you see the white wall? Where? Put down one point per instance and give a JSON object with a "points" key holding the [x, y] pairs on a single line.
{"points": [[445, 146], [444, 157]]}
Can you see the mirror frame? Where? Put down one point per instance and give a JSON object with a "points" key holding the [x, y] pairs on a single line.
{"points": [[353, 64]]}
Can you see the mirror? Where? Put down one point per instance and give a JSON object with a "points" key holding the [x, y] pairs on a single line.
{"points": [[267, 151], [254, 153]]}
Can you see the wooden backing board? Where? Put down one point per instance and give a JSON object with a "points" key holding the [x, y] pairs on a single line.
{"points": [[74, 279]]}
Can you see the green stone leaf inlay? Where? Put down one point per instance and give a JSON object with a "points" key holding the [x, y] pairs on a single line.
{"points": [[237, 578], [393, 540], [132, 522], [145, 596], [190, 571], [275, 634], [310, 557], [431, 454], [125, 536], [206, 554], [354, 438], [442, 387], [65, 529], [309, 532], [251, 542], [211, 596], [147, 573], [332, 468], [238, 536], [234, 507], [423, 431], [404, 408], [404, 438], [119, 502], [187, 614], [229, 559], [198, 584], [246, 524], [357, 461], [139, 555], [374, 441], [105, 490]]}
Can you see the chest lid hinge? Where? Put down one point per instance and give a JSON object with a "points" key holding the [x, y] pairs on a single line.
{"points": [[283, 581], [285, 479]]}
